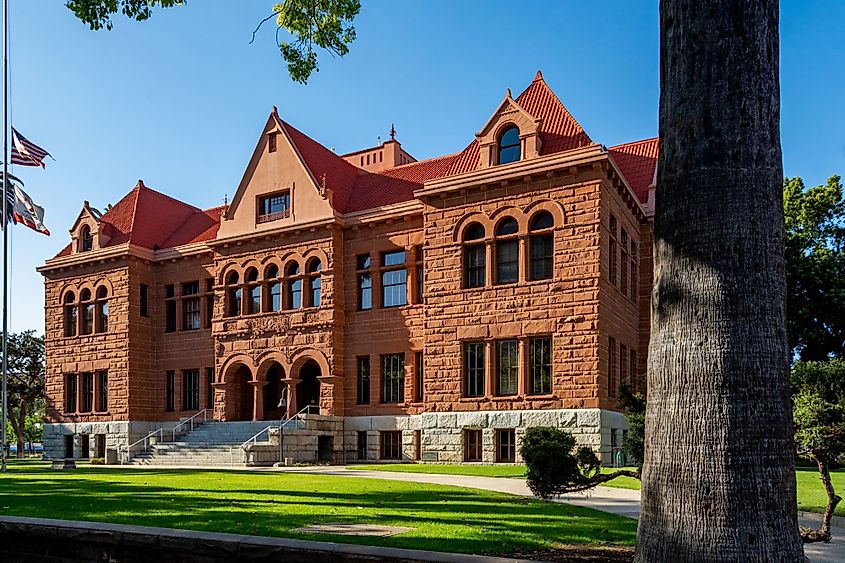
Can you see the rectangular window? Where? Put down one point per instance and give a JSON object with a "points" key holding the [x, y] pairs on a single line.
{"points": [[634, 277], [70, 320], [418, 375], [472, 445], [394, 279], [540, 366], [623, 363], [209, 377], [191, 390], [474, 369], [102, 391], [365, 282], [209, 303], [87, 392], [191, 288], [542, 257], [507, 261], [170, 316], [273, 206], [144, 301], [362, 445], [392, 378], [254, 303], [475, 260], [391, 444], [420, 275], [612, 251], [506, 446], [170, 391], [87, 318], [623, 263], [169, 291], [507, 367], [84, 446], [611, 367], [363, 386], [191, 314], [234, 301], [70, 393], [633, 367]]}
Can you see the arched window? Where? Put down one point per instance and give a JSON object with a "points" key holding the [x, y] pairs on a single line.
{"points": [[87, 305], [86, 239], [541, 246], [233, 295], [294, 285], [102, 310], [314, 282], [475, 256], [509, 150], [253, 304], [507, 251], [274, 288], [70, 314]]}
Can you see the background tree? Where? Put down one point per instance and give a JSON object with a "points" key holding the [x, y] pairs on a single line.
{"points": [[555, 465], [820, 433], [311, 24], [815, 268], [634, 406], [718, 479], [25, 382]]}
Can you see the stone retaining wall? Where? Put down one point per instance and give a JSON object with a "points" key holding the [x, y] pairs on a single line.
{"points": [[61, 541]]}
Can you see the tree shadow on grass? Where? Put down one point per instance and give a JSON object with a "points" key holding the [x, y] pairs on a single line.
{"points": [[441, 517]]}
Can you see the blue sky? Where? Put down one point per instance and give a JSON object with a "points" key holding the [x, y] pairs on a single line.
{"points": [[179, 100]]}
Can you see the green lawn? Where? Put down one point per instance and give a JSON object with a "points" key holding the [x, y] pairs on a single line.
{"points": [[272, 504], [811, 495]]}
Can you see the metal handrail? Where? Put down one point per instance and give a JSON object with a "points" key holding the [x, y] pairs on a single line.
{"points": [[146, 441], [282, 424], [203, 412]]}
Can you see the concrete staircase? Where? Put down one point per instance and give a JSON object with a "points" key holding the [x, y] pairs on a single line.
{"points": [[213, 443]]}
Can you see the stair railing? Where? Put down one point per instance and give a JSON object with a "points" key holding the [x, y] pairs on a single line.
{"points": [[282, 424], [146, 441], [192, 422]]}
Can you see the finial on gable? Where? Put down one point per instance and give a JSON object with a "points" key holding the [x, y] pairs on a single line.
{"points": [[392, 132], [225, 199], [275, 110], [538, 76], [140, 184], [508, 93]]}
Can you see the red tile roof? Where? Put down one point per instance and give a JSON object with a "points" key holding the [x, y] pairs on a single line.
{"points": [[637, 161], [152, 220]]}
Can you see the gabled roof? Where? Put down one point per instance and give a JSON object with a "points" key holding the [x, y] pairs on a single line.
{"points": [[637, 161], [558, 129]]}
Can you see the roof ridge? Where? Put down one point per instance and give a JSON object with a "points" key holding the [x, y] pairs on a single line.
{"points": [[568, 113], [418, 162], [629, 143]]}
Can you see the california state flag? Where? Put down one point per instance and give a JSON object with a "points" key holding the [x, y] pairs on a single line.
{"points": [[21, 208]]}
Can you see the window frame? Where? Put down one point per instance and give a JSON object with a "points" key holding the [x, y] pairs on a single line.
{"points": [[101, 400], [267, 217], [507, 349], [473, 439], [509, 445], [390, 449], [363, 273], [392, 379], [400, 269], [502, 241], [190, 389], [533, 367], [501, 147], [363, 380], [474, 376]]}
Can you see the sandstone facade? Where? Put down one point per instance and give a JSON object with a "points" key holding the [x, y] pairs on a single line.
{"points": [[430, 310]]}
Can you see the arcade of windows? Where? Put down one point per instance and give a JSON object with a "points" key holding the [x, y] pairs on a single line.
{"points": [[87, 315], [275, 291], [623, 260], [501, 360], [86, 393], [503, 249]]}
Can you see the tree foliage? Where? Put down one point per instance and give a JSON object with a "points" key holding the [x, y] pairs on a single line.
{"points": [[820, 433], [25, 381], [825, 379], [311, 24], [556, 466], [633, 404], [815, 267]]}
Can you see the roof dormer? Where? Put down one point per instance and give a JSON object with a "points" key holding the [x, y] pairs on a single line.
{"points": [[88, 232], [511, 134]]}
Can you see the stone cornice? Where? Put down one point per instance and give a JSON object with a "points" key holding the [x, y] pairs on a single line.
{"points": [[395, 211]]}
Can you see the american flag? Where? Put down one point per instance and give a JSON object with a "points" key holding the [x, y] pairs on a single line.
{"points": [[25, 152]]}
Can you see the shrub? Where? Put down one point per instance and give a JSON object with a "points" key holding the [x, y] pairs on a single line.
{"points": [[554, 464]]}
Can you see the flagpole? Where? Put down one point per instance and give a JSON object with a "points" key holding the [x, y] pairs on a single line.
{"points": [[5, 220]]}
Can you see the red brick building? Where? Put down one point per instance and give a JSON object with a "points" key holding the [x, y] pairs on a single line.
{"points": [[432, 310]]}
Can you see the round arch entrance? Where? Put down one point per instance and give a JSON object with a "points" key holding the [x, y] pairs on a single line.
{"points": [[273, 391], [308, 388], [240, 393]]}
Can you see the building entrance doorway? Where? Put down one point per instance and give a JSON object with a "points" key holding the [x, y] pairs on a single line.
{"points": [[243, 394], [308, 388], [273, 392]]}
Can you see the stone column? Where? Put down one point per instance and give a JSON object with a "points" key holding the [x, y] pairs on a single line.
{"points": [[523, 258], [489, 369], [96, 385], [78, 377], [258, 400], [490, 264], [522, 370]]}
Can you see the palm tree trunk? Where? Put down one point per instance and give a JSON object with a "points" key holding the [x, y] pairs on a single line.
{"points": [[718, 481]]}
